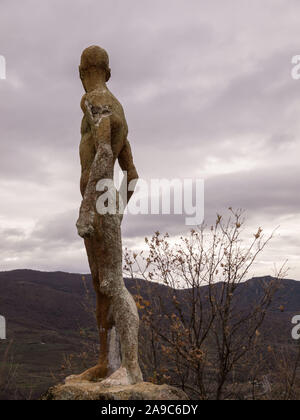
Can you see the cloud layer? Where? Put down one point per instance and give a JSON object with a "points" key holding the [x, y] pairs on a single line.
{"points": [[207, 91]]}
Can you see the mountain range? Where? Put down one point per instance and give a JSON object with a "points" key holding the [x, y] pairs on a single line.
{"points": [[46, 313]]}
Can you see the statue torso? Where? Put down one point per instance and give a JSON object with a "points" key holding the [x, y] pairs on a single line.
{"points": [[119, 131]]}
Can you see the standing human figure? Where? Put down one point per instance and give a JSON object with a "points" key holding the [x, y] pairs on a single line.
{"points": [[104, 140]]}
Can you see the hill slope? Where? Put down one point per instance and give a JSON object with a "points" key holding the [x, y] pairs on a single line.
{"points": [[45, 311]]}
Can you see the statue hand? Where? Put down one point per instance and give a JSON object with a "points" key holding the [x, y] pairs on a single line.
{"points": [[85, 224]]}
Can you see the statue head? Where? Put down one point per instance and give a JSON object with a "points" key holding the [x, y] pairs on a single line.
{"points": [[94, 62]]}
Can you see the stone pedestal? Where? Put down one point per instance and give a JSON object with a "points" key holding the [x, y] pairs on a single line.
{"points": [[95, 391]]}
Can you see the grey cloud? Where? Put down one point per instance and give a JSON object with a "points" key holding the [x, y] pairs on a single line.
{"points": [[59, 228], [260, 191], [56, 232], [12, 232], [141, 226], [198, 82]]}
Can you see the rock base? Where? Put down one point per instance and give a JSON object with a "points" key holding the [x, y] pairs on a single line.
{"points": [[95, 391]]}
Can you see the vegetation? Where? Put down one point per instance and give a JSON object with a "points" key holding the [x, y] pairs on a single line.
{"points": [[204, 326], [210, 340]]}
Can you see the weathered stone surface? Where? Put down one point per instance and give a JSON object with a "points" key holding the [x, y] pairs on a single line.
{"points": [[104, 140], [86, 390]]}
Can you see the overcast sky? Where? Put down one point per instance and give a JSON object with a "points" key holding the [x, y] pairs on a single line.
{"points": [[207, 91]]}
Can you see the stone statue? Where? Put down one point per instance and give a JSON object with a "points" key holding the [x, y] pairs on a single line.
{"points": [[104, 139]]}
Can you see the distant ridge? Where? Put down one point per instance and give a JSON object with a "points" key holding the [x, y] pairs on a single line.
{"points": [[44, 313]]}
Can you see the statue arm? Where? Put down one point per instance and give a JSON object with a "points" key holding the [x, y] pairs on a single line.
{"points": [[126, 164], [102, 168]]}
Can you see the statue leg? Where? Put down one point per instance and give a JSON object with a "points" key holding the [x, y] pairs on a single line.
{"points": [[109, 357], [127, 323], [124, 310], [117, 315]]}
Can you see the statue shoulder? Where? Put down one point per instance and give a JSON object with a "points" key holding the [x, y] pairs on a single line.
{"points": [[82, 103], [96, 97], [101, 98]]}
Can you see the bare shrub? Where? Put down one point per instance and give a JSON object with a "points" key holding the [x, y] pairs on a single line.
{"points": [[201, 332]]}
